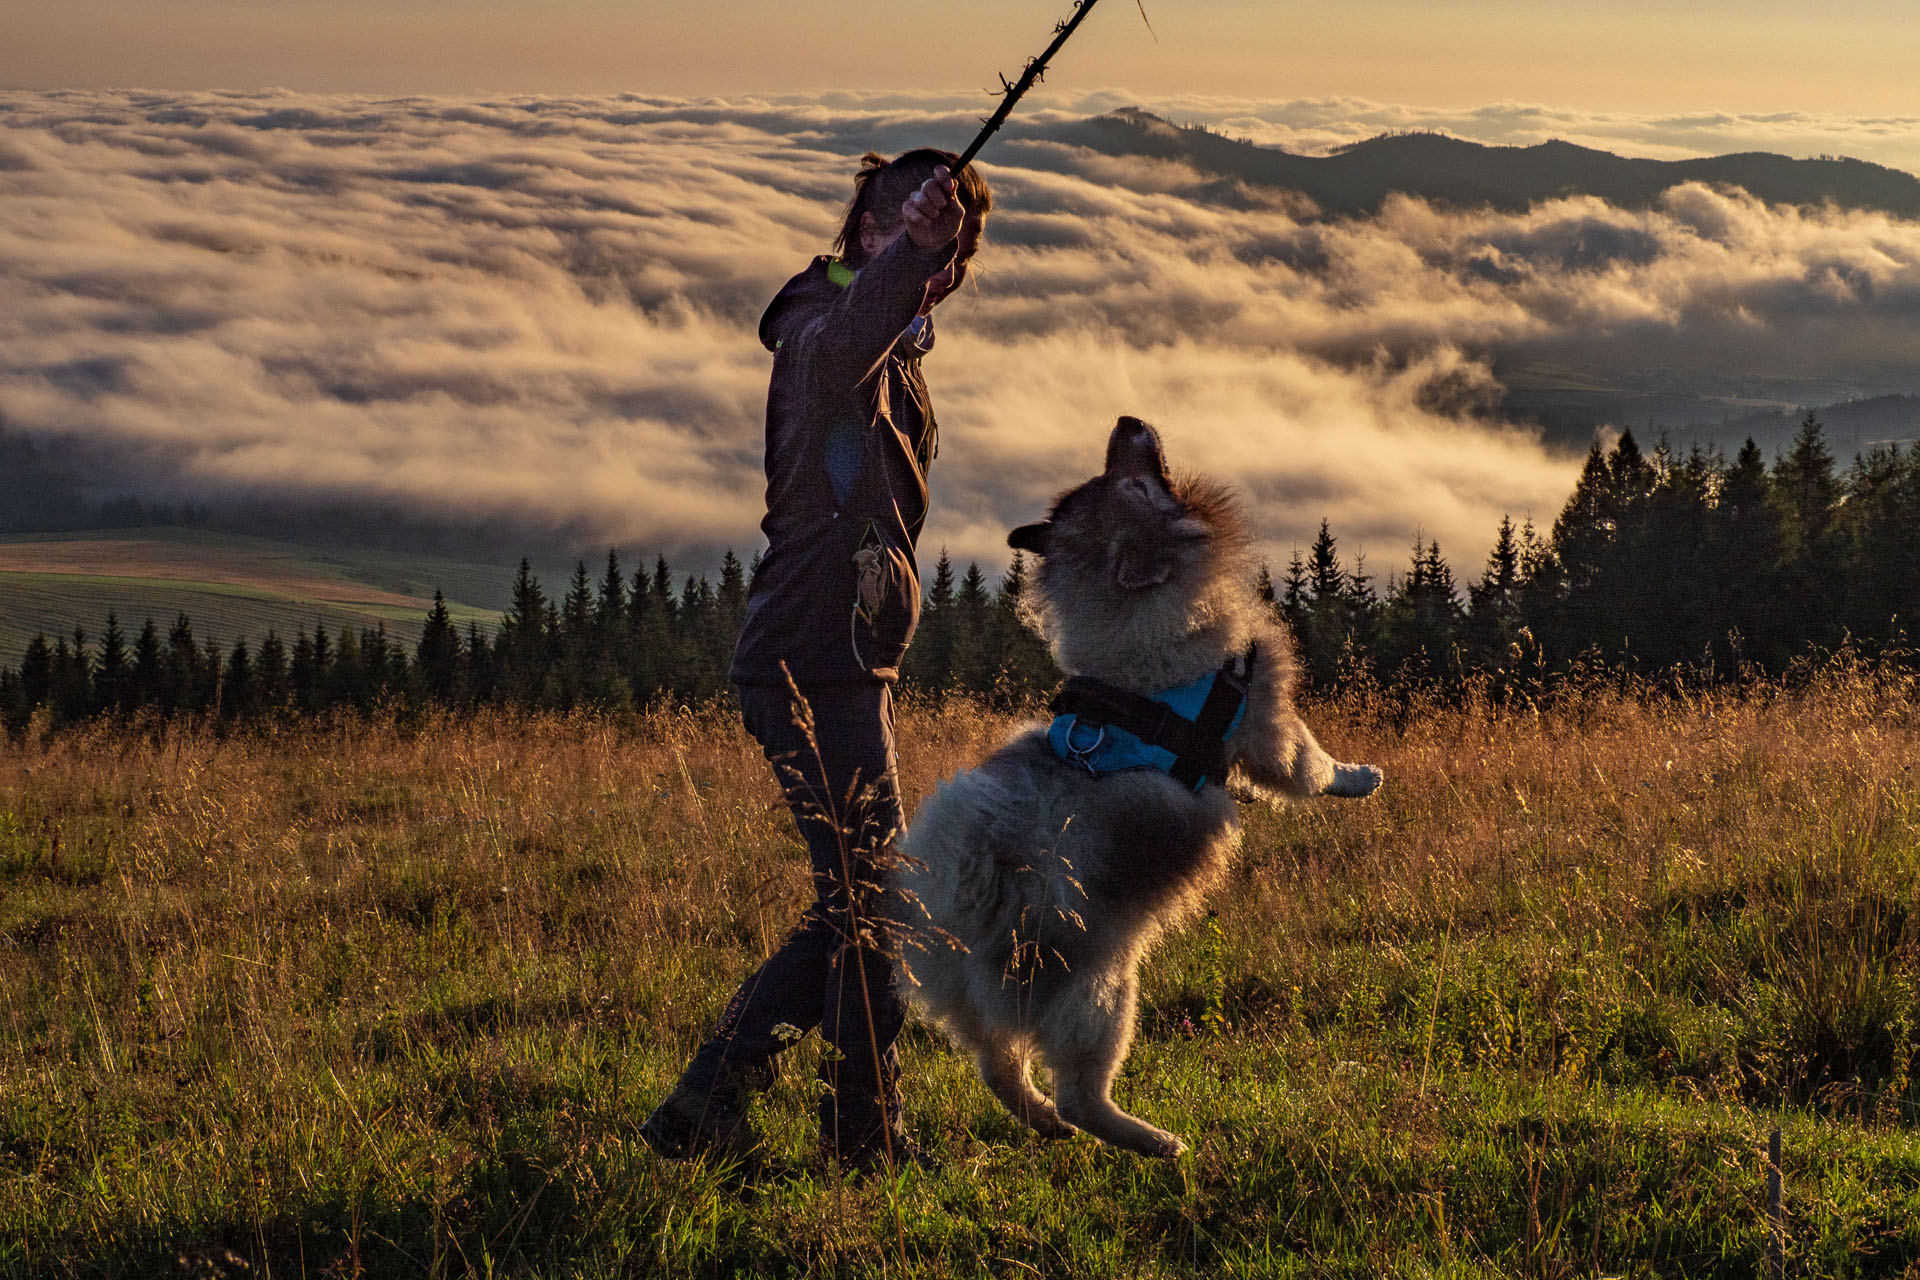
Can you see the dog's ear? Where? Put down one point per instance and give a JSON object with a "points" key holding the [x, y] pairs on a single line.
{"points": [[1031, 537], [1134, 450]]}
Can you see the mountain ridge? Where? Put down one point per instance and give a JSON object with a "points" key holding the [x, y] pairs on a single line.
{"points": [[1359, 177]]}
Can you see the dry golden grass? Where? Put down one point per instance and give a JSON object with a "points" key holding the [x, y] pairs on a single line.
{"points": [[393, 997]]}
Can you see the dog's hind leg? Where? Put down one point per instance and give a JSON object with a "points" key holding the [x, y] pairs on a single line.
{"points": [[1004, 1067], [1084, 1042]]}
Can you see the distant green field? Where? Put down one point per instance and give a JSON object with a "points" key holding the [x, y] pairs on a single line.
{"points": [[232, 587]]}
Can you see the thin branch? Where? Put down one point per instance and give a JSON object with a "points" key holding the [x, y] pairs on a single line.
{"points": [[1148, 21], [1034, 70]]}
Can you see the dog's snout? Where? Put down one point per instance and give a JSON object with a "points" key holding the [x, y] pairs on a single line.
{"points": [[1134, 449]]}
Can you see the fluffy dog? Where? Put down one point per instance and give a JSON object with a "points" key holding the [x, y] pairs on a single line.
{"points": [[1031, 889]]}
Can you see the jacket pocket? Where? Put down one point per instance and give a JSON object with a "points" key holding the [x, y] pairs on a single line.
{"points": [[885, 605]]}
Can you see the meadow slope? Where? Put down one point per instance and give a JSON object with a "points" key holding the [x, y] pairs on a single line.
{"points": [[230, 586], [391, 1000]]}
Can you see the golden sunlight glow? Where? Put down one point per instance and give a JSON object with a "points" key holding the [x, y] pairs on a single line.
{"points": [[1658, 55]]}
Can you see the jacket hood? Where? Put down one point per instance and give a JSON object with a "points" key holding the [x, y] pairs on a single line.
{"points": [[803, 295]]}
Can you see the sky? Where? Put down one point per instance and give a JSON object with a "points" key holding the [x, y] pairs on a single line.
{"points": [[537, 302], [1852, 57]]}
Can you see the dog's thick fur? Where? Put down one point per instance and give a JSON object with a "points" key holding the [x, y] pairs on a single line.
{"points": [[1031, 890]]}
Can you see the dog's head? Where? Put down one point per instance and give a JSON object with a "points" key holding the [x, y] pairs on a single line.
{"points": [[1134, 526], [1135, 544]]}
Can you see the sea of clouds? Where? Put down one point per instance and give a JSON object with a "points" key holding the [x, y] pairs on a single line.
{"points": [[542, 310]]}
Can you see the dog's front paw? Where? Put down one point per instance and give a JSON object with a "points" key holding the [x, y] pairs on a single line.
{"points": [[1355, 781]]}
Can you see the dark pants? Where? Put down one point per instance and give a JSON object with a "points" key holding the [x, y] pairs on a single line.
{"points": [[833, 970]]}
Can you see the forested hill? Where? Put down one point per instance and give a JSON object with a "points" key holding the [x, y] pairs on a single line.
{"points": [[1470, 174]]}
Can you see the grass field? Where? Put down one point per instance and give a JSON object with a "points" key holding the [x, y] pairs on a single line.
{"points": [[392, 1001], [230, 586]]}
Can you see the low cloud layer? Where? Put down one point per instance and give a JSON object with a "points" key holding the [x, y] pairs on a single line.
{"points": [[543, 310]]}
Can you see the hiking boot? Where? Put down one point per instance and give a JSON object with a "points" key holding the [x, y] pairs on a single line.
{"points": [[871, 1137], [691, 1122], [894, 1154]]}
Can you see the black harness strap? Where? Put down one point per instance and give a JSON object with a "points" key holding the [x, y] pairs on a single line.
{"points": [[1224, 700], [1199, 746]]}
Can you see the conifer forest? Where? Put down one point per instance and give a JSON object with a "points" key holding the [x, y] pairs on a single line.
{"points": [[1671, 566]]}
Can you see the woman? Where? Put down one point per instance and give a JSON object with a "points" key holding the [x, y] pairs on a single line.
{"points": [[850, 434]]}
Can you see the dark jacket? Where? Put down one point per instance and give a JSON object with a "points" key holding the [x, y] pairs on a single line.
{"points": [[850, 434]]}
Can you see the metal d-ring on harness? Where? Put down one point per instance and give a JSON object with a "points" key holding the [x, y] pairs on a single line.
{"points": [[1087, 755], [1138, 731]]}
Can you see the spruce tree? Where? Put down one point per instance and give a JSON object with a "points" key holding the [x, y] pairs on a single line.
{"points": [[732, 595], [1542, 598], [1668, 611], [72, 694], [346, 684], [929, 661], [1493, 618], [1363, 613], [270, 674], [14, 711], [1293, 595], [1880, 536], [663, 591], [728, 616], [182, 667], [645, 640], [1419, 632], [668, 668], [697, 670], [1740, 573], [437, 656], [971, 660], [578, 636], [237, 686], [36, 671], [206, 682], [113, 681], [148, 668], [576, 616], [610, 608], [1586, 523], [521, 648], [1326, 581], [72, 679], [1630, 475], [320, 696], [1806, 493], [1327, 616], [1023, 666], [482, 669], [399, 679], [302, 683], [1593, 544], [377, 664], [552, 691]]}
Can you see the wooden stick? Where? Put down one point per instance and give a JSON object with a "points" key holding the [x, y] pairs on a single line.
{"points": [[1012, 93]]}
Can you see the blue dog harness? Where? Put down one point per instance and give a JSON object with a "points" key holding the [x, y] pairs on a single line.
{"points": [[1181, 732]]}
